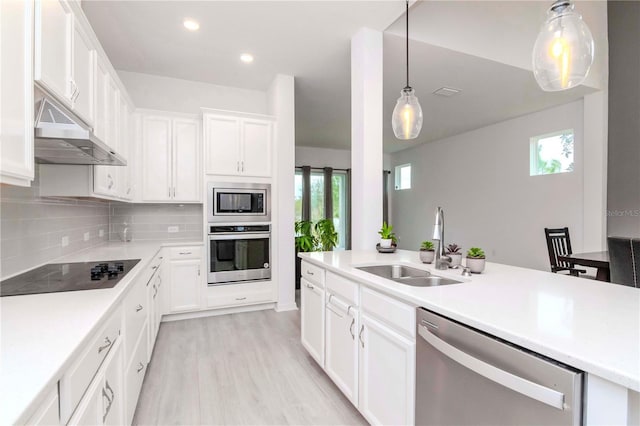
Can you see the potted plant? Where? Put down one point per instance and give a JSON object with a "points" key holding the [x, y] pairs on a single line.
{"points": [[305, 241], [475, 260], [453, 251], [387, 237], [427, 252], [326, 235]]}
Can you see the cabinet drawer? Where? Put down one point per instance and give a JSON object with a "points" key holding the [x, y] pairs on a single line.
{"points": [[390, 311], [134, 376], [76, 380], [47, 413], [343, 287], [312, 273], [193, 252], [136, 310], [240, 294]]}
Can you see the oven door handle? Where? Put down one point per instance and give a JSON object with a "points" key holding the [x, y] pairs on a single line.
{"points": [[239, 236]]}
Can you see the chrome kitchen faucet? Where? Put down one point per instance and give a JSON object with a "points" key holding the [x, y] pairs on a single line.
{"points": [[442, 261]]}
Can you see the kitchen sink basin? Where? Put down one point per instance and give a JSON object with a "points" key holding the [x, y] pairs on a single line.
{"points": [[407, 275]]}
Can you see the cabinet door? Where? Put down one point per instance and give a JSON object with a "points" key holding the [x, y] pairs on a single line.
{"points": [[186, 160], [100, 109], [312, 320], [89, 411], [104, 180], [387, 374], [113, 391], [156, 158], [48, 413], [185, 285], [256, 147], [134, 375], [53, 22], [112, 109], [16, 92], [124, 172], [222, 140], [83, 63], [341, 348]]}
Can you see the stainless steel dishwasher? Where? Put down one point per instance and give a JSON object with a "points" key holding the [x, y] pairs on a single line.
{"points": [[466, 377]]}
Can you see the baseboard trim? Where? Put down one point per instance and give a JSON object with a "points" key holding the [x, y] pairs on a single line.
{"points": [[216, 312], [288, 307]]}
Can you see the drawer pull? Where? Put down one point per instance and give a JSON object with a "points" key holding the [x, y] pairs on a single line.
{"points": [[309, 286], [138, 308], [309, 273], [185, 253], [154, 267], [353, 322], [140, 367], [107, 344], [113, 397], [360, 335], [241, 298]]}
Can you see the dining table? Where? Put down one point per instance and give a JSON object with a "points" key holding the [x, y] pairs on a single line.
{"points": [[593, 259]]}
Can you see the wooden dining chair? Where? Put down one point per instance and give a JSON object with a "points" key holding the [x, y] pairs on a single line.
{"points": [[559, 244], [624, 261]]}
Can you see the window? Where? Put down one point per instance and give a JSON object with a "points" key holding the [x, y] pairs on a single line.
{"points": [[403, 176], [339, 198], [552, 153]]}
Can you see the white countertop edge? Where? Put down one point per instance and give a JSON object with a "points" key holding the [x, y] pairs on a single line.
{"points": [[391, 288], [22, 415]]}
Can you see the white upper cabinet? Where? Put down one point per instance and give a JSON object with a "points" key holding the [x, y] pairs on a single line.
{"points": [[101, 80], [16, 92], [170, 158], [238, 146], [83, 74], [53, 33]]}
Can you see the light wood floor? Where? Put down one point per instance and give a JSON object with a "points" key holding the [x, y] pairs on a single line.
{"points": [[239, 369]]}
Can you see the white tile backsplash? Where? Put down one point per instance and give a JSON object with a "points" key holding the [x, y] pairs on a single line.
{"points": [[152, 221]]}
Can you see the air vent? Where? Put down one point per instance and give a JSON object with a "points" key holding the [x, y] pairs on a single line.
{"points": [[447, 91]]}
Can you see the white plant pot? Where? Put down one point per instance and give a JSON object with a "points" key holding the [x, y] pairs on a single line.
{"points": [[426, 256], [385, 243], [475, 265], [456, 258]]}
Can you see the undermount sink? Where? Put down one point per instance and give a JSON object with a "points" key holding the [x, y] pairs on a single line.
{"points": [[407, 275]]}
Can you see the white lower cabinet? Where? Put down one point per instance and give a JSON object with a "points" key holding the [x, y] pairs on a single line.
{"points": [[186, 280], [312, 319], [48, 413], [341, 354], [134, 375]]}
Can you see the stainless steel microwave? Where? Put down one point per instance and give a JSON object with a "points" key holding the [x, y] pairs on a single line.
{"points": [[238, 202]]}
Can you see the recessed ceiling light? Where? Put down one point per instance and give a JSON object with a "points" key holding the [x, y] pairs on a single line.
{"points": [[191, 25], [246, 58]]}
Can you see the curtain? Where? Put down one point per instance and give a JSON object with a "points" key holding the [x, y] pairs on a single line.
{"points": [[348, 219], [328, 193], [306, 192], [385, 195]]}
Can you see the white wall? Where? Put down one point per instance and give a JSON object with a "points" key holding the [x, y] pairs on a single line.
{"points": [[172, 94], [481, 180], [323, 157]]}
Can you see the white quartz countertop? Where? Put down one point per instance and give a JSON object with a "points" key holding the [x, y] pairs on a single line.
{"points": [[587, 324], [41, 334]]}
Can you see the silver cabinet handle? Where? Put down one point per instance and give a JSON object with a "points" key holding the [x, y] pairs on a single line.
{"points": [[309, 286], [107, 343], [169, 196], [185, 253], [109, 402], [241, 298], [140, 367], [242, 166], [154, 267], [360, 335], [353, 322], [506, 379], [198, 270], [138, 308], [309, 273], [108, 387]]}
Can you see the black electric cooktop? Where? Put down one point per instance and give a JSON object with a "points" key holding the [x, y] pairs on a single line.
{"points": [[58, 277]]}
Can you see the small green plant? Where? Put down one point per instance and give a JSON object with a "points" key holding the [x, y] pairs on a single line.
{"points": [[453, 249], [426, 246], [326, 235], [386, 232], [475, 253], [305, 240]]}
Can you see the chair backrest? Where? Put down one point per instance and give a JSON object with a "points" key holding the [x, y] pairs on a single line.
{"points": [[558, 244], [624, 260]]}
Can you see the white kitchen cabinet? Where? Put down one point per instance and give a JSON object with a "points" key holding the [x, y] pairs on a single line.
{"points": [[387, 374], [312, 319], [238, 146], [154, 301], [186, 280], [16, 92], [170, 159], [48, 413], [123, 173], [53, 47], [134, 375], [341, 346], [100, 107], [83, 74]]}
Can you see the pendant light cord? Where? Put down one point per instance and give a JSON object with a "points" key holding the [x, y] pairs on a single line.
{"points": [[407, 47]]}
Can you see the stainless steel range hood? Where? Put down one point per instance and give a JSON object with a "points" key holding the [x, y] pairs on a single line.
{"points": [[62, 138]]}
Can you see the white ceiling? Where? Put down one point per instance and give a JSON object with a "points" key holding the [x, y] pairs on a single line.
{"points": [[311, 41]]}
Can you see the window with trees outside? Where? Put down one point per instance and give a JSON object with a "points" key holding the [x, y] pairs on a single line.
{"points": [[339, 194], [552, 153]]}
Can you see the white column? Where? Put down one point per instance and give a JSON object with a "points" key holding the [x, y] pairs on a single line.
{"points": [[282, 106], [595, 172], [366, 138]]}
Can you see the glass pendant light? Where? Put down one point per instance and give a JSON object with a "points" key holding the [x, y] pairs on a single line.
{"points": [[407, 115], [563, 52]]}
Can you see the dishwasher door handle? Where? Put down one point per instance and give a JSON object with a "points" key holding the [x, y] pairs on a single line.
{"points": [[504, 378]]}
